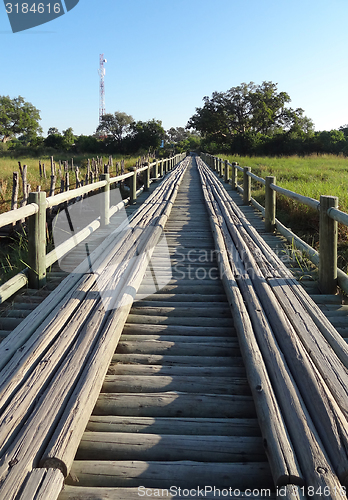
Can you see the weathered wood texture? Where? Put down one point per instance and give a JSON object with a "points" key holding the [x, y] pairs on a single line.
{"points": [[253, 264], [83, 336]]}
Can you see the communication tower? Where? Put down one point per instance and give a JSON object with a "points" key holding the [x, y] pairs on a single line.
{"points": [[101, 87]]}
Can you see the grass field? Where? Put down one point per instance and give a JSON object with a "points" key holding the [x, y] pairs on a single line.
{"points": [[13, 252], [310, 176], [10, 165]]}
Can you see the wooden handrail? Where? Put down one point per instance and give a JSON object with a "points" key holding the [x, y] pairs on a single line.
{"points": [[329, 274], [38, 244]]}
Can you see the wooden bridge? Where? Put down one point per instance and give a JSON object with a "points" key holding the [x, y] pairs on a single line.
{"points": [[181, 358]]}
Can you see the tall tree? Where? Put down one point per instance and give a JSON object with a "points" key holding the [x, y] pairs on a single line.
{"points": [[18, 117], [116, 125], [247, 108], [147, 135]]}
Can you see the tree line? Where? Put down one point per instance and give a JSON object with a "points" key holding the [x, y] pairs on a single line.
{"points": [[117, 133], [255, 119], [248, 119]]}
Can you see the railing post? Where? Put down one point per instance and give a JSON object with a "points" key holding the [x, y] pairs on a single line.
{"points": [[246, 186], [133, 189], [165, 166], [234, 175], [327, 246], [156, 170], [147, 178], [37, 242], [220, 167], [161, 168], [105, 201], [270, 204], [226, 172]]}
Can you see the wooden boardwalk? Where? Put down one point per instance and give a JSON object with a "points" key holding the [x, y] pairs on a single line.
{"points": [[176, 409]]}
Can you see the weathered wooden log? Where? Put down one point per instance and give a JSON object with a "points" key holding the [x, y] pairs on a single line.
{"points": [[62, 448], [129, 446], [53, 185], [235, 370], [323, 409], [167, 360], [175, 426], [186, 321], [37, 242], [162, 493], [53, 167], [142, 383], [177, 349], [162, 474], [218, 311], [43, 484], [15, 186], [298, 424], [174, 405], [13, 285]]}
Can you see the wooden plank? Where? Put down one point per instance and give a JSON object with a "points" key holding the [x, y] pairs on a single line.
{"points": [[177, 349], [217, 311], [100, 493], [167, 360], [175, 426], [161, 474], [178, 404], [137, 328], [130, 446], [183, 370], [200, 384], [178, 321]]}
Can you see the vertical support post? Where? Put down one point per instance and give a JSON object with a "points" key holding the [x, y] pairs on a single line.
{"points": [[226, 172], [327, 246], [270, 204], [164, 166], [161, 168], [156, 170], [37, 242], [234, 175], [147, 178], [105, 201], [133, 191], [246, 186]]}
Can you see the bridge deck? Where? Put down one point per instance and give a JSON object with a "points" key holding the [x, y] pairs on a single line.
{"points": [[176, 408]]}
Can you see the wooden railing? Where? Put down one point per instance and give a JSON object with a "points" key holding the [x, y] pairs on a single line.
{"points": [[326, 259], [35, 213]]}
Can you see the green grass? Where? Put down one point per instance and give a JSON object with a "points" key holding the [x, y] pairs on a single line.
{"points": [[13, 251], [10, 165], [309, 176]]}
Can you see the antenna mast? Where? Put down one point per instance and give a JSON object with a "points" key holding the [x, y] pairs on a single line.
{"points": [[101, 87]]}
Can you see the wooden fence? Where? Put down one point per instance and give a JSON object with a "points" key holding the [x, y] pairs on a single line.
{"points": [[35, 212], [329, 215]]}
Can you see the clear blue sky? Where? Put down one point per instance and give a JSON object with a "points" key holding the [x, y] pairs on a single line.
{"points": [[164, 56]]}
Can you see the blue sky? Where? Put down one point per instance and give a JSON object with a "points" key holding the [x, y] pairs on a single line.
{"points": [[164, 56]]}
